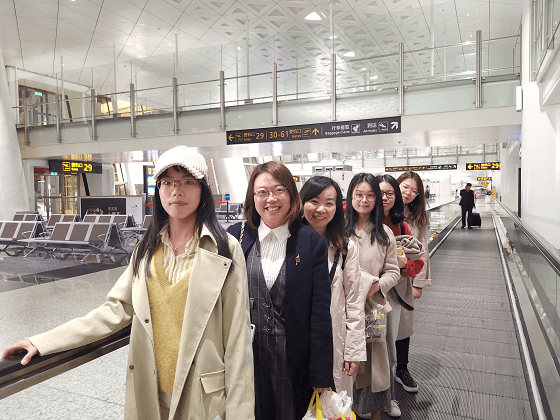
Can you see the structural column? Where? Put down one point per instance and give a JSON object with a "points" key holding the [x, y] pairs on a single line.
{"points": [[13, 189]]}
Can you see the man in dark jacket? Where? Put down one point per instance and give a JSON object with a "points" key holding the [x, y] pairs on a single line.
{"points": [[467, 203]]}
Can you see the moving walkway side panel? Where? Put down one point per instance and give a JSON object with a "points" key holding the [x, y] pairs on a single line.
{"points": [[536, 317]]}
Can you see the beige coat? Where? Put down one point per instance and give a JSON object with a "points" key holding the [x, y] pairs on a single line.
{"points": [[421, 280], [214, 373], [377, 263], [347, 313]]}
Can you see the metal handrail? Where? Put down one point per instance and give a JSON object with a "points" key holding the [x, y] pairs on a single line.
{"points": [[551, 255]]}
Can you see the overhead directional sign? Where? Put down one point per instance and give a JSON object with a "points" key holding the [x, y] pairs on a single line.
{"points": [[444, 167], [494, 166], [67, 166], [484, 178], [316, 131]]}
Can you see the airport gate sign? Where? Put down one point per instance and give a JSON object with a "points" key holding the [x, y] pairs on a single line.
{"points": [[372, 126], [416, 168], [494, 166]]}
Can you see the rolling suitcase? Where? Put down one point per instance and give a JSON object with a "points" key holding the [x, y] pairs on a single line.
{"points": [[475, 220]]}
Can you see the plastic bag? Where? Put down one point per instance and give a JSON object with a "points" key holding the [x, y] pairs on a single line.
{"points": [[330, 406], [336, 406], [376, 325]]}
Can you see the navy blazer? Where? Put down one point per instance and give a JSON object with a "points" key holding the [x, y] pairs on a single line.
{"points": [[306, 307]]}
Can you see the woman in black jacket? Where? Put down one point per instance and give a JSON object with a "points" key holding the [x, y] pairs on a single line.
{"points": [[289, 294]]}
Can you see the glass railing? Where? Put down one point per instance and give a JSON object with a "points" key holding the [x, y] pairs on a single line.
{"points": [[539, 264], [532, 268], [56, 205], [435, 79]]}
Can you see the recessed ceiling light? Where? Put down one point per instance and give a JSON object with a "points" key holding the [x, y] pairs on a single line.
{"points": [[362, 69], [333, 37], [350, 54], [374, 77], [313, 16], [170, 44]]}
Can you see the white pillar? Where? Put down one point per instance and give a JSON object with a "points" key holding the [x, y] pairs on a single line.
{"points": [[232, 178], [13, 190]]}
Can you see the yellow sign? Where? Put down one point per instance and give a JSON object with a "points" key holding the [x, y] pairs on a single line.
{"points": [[296, 178], [485, 184], [493, 193], [494, 166], [484, 178]]}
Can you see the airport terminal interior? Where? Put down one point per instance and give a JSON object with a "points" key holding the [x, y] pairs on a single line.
{"points": [[93, 92]]}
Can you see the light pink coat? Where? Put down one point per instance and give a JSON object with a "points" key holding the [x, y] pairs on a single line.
{"points": [[347, 313]]}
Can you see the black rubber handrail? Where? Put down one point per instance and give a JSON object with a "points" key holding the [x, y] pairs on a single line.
{"points": [[551, 254], [15, 377]]}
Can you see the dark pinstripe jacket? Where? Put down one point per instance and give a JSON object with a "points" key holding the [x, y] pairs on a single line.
{"points": [[309, 342]]}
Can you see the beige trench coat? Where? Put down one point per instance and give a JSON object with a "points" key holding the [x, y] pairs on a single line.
{"points": [[421, 280], [214, 373], [347, 313], [377, 263]]}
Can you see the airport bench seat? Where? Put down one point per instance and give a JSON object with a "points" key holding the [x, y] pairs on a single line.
{"points": [[79, 238], [134, 234], [13, 234], [233, 212]]}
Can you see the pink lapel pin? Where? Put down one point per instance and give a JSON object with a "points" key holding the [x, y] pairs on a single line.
{"points": [[297, 259]]}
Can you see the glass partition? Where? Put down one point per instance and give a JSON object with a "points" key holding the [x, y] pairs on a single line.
{"points": [[436, 79], [540, 275]]}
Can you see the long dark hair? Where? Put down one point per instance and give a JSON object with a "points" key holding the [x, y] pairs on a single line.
{"points": [[335, 229], [416, 207], [283, 175], [205, 216], [396, 214], [376, 216]]}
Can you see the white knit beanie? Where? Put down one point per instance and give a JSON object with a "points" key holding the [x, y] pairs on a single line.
{"points": [[182, 156]]}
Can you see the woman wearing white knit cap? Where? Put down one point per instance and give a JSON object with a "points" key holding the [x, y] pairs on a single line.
{"points": [[185, 294]]}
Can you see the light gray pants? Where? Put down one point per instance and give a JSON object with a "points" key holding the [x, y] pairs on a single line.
{"points": [[393, 321]]}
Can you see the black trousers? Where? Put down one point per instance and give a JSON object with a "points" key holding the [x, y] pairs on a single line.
{"points": [[403, 347], [468, 212]]}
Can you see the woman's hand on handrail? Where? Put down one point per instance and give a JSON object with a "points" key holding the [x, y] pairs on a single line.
{"points": [[20, 347]]}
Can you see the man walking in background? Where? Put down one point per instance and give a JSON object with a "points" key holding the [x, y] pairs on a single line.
{"points": [[467, 203]]}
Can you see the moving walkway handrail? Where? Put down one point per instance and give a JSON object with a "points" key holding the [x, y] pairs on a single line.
{"points": [[552, 255], [15, 377]]}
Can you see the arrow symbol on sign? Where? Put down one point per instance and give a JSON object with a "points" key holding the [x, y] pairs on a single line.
{"points": [[394, 125], [230, 137], [470, 166], [315, 131]]}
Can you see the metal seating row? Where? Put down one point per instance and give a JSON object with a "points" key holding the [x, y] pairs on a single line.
{"points": [[79, 239], [12, 233], [231, 212], [65, 234]]}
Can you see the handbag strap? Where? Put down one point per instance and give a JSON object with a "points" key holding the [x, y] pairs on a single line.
{"points": [[335, 263], [242, 231]]}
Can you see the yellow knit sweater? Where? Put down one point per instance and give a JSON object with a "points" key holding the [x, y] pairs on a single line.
{"points": [[167, 307]]}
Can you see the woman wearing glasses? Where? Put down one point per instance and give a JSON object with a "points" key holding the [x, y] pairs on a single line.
{"points": [[289, 293], [412, 190], [377, 256], [409, 252], [185, 294], [322, 210]]}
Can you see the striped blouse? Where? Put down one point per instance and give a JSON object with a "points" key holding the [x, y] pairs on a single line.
{"points": [[176, 266]]}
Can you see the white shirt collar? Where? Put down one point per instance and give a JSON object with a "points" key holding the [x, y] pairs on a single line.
{"points": [[281, 232]]}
